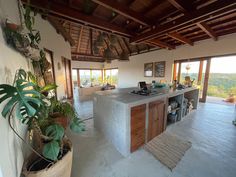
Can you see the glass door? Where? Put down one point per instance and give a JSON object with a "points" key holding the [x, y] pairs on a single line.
{"points": [[197, 70]]}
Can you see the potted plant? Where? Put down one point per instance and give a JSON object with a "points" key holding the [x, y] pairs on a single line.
{"points": [[24, 38], [52, 149]]}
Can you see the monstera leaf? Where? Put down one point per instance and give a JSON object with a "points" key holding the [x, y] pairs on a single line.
{"points": [[55, 131], [51, 150], [23, 95], [77, 126]]}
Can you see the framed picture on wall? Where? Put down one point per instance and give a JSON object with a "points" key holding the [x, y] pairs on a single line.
{"points": [[159, 69], [148, 69]]}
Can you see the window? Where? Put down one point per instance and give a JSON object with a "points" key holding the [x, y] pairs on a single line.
{"points": [[111, 76], [90, 77]]}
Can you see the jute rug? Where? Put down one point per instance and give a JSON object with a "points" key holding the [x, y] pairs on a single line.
{"points": [[168, 149]]}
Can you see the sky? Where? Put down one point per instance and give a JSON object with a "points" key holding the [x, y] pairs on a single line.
{"points": [[218, 65]]}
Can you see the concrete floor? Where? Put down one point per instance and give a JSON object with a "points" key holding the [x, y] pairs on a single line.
{"points": [[213, 151], [83, 108]]}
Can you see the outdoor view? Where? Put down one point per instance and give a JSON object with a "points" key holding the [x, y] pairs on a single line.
{"points": [[92, 77], [222, 80]]}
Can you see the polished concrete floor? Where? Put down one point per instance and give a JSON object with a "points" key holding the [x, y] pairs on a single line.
{"points": [[83, 108], [213, 151]]}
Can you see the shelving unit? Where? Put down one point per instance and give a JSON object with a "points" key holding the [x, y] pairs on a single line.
{"points": [[181, 109]]}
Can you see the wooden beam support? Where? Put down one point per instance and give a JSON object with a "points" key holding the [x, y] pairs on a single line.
{"points": [[124, 10], [199, 78], [207, 30], [74, 15], [180, 38], [127, 46], [213, 10], [91, 40], [60, 29], [183, 6], [161, 44], [80, 37]]}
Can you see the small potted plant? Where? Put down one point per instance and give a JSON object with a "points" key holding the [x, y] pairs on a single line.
{"points": [[52, 150]]}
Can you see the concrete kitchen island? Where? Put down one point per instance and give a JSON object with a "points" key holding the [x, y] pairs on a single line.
{"points": [[129, 120]]}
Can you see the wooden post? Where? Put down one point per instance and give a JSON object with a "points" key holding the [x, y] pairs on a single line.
{"points": [[205, 87], [174, 71], [78, 78], [179, 72], [200, 72]]}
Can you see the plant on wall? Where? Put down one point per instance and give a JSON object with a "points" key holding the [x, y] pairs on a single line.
{"points": [[24, 38]]}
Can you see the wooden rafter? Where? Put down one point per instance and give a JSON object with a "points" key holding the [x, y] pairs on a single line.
{"points": [[180, 38], [161, 44], [110, 42], [183, 6], [127, 46], [207, 30], [125, 11], [74, 15], [91, 40], [215, 9], [123, 50], [59, 28], [80, 37]]}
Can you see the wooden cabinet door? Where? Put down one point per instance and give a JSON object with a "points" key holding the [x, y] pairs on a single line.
{"points": [[138, 119], [156, 119]]}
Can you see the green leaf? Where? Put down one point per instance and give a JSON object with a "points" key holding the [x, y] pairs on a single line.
{"points": [[55, 131], [77, 126], [51, 150], [23, 94], [48, 87]]}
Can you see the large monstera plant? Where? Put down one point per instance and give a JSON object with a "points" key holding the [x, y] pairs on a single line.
{"points": [[27, 99]]}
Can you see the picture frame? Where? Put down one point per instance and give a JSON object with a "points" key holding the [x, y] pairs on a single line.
{"points": [[159, 69], [148, 69]]}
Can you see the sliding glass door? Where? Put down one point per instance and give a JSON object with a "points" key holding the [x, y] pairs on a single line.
{"points": [[198, 70]]}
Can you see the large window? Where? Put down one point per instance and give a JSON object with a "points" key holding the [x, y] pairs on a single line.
{"points": [[89, 77], [111, 76]]}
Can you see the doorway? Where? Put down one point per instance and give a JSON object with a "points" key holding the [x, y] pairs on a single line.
{"points": [[198, 70], [68, 78], [222, 80]]}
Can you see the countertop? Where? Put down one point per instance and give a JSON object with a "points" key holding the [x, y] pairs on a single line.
{"points": [[125, 96]]}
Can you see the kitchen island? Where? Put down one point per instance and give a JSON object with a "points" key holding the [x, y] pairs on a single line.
{"points": [[129, 120]]}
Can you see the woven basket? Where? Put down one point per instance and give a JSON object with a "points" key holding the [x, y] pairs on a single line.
{"points": [[62, 168]]}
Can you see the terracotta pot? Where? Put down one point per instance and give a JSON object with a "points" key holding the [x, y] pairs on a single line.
{"points": [[61, 168], [60, 119], [12, 26]]}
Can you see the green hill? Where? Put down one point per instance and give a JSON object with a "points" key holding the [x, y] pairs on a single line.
{"points": [[220, 84]]}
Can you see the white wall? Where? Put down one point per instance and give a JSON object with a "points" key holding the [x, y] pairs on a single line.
{"points": [[11, 150], [55, 43], [130, 73]]}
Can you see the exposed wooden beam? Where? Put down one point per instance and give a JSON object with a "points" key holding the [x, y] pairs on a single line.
{"points": [[91, 40], [61, 30], [207, 30], [88, 58], [123, 50], [109, 46], [78, 54], [213, 10], [127, 46], [182, 5], [80, 37], [124, 10], [181, 38], [74, 15], [161, 44]]}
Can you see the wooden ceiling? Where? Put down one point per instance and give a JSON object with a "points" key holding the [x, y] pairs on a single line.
{"points": [[135, 26]]}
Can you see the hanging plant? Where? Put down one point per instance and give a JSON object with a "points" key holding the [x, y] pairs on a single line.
{"points": [[23, 38]]}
